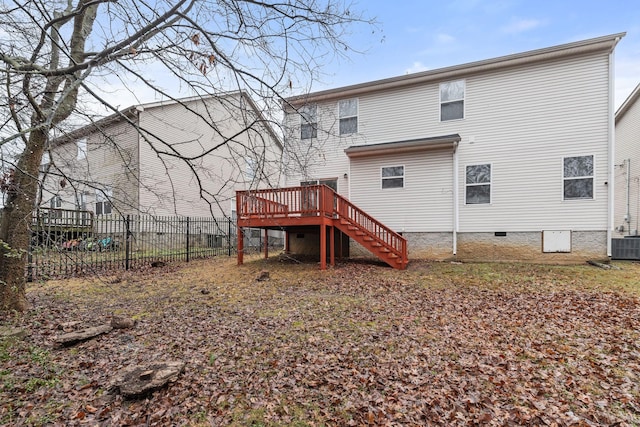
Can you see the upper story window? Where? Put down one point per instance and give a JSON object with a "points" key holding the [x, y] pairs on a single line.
{"points": [[452, 100], [478, 184], [578, 177], [82, 148], [308, 122], [103, 201], [393, 177], [348, 114], [250, 167]]}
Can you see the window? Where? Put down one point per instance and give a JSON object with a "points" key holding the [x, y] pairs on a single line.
{"points": [[348, 112], [82, 148], [329, 182], [103, 201], [393, 177], [250, 167], [56, 202], [478, 184], [452, 100], [308, 122], [81, 202], [578, 177]]}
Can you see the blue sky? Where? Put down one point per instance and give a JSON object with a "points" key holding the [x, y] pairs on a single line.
{"points": [[423, 35]]}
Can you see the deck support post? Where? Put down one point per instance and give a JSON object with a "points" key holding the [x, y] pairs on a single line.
{"points": [[323, 246], [286, 241], [332, 249], [266, 243], [240, 246]]}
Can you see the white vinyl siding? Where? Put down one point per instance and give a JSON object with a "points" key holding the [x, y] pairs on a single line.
{"points": [[425, 204], [627, 172], [171, 187], [525, 119]]}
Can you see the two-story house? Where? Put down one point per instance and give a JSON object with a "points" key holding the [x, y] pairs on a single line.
{"points": [[508, 158], [181, 157]]}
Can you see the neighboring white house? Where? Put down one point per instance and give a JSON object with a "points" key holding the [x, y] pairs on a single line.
{"points": [[627, 167], [502, 159], [133, 161]]}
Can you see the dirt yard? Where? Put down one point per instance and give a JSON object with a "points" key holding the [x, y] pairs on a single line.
{"points": [[360, 344]]}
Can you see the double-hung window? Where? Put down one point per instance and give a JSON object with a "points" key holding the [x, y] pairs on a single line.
{"points": [[250, 165], [348, 114], [578, 177], [56, 202], [308, 122], [478, 184], [452, 100], [82, 148], [392, 177], [103, 201]]}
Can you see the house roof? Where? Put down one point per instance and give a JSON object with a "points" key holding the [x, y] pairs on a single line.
{"points": [[604, 43], [132, 111], [407, 146], [628, 103]]}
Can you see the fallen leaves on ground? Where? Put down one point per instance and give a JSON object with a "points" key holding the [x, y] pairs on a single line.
{"points": [[360, 344]]}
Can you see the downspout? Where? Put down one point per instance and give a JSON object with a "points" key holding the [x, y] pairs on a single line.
{"points": [[139, 111], [456, 216], [627, 217], [611, 151]]}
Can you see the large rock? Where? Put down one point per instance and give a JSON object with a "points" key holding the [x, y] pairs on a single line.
{"points": [[139, 380], [82, 335]]}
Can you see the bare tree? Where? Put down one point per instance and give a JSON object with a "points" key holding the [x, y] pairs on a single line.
{"points": [[58, 54]]}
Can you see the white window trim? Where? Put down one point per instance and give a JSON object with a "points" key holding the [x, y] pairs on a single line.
{"points": [[357, 116], [490, 183], [593, 196], [463, 99], [404, 177]]}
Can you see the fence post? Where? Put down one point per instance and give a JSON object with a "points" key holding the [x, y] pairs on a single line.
{"points": [[127, 251], [187, 239], [229, 235]]}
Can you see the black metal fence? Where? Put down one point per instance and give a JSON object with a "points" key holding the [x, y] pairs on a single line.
{"points": [[69, 243]]}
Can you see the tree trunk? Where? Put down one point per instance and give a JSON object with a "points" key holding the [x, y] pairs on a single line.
{"points": [[15, 225]]}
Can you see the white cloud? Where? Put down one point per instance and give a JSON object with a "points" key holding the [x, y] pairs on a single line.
{"points": [[416, 67], [445, 38], [521, 25]]}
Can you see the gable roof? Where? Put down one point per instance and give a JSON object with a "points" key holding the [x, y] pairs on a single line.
{"points": [[604, 43], [130, 113], [628, 103]]}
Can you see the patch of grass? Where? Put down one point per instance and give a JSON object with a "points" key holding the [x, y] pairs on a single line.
{"points": [[35, 383]]}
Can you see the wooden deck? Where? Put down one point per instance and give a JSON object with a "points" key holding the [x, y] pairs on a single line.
{"points": [[318, 205]]}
